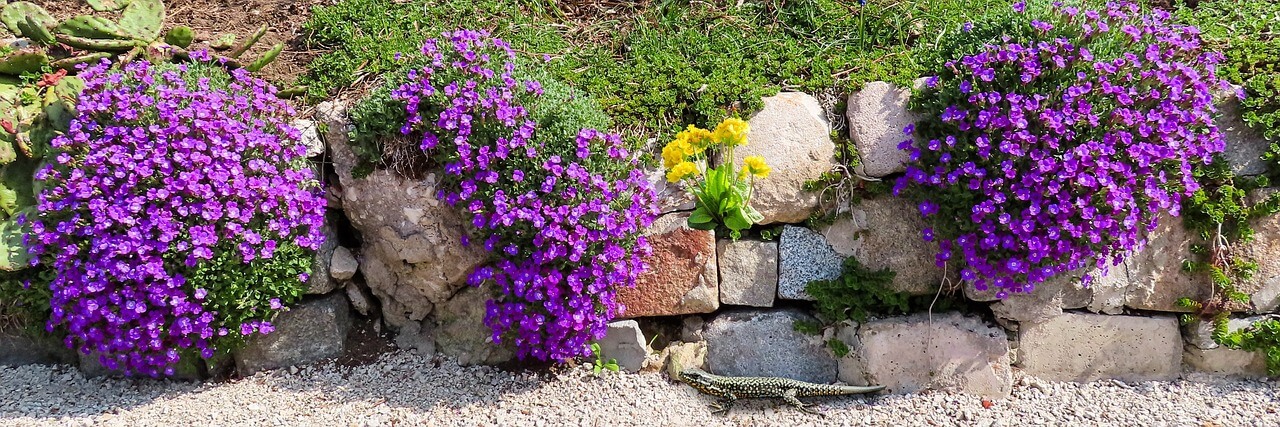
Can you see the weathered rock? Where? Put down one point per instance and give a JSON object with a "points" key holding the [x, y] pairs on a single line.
{"points": [[682, 276], [1203, 354], [692, 328], [310, 136], [680, 356], [1225, 361], [311, 331], [625, 343], [803, 257], [320, 281], [886, 232], [953, 352], [748, 272], [342, 265], [412, 255], [418, 337], [765, 343], [460, 331], [793, 136], [671, 197], [850, 368], [1264, 286], [360, 298], [1087, 347], [18, 348], [877, 116], [1245, 146], [1105, 294], [1156, 277]]}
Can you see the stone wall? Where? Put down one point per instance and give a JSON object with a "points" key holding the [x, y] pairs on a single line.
{"points": [[737, 301]]}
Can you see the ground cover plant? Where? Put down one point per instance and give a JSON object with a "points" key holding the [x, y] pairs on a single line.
{"points": [[178, 214], [561, 214], [1054, 134], [655, 66]]}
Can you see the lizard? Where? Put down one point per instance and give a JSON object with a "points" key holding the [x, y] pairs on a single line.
{"points": [[730, 389]]}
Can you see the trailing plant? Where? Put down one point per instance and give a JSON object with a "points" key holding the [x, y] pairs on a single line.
{"points": [[1055, 144], [178, 214], [1262, 336], [561, 218], [721, 191]]}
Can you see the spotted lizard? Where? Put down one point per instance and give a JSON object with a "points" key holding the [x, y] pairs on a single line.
{"points": [[730, 389]]}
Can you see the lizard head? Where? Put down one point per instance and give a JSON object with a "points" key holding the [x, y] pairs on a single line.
{"points": [[697, 378]]}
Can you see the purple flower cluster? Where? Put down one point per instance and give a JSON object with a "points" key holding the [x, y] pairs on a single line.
{"points": [[1057, 150], [564, 231], [164, 169]]}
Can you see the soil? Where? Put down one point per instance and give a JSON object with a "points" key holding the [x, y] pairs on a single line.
{"points": [[209, 18]]}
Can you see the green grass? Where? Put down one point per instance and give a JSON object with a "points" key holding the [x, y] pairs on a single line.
{"points": [[658, 65]]}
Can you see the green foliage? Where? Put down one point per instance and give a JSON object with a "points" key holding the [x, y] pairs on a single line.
{"points": [[858, 292], [808, 327], [839, 348], [1245, 32], [24, 298], [1262, 336], [654, 66], [599, 365]]}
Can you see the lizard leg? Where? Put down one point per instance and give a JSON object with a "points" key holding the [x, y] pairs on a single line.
{"points": [[725, 403], [790, 397]]}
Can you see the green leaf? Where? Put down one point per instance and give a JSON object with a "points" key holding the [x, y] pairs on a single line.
{"points": [[700, 216], [752, 214], [737, 221]]}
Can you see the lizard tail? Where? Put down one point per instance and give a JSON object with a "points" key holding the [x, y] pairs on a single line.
{"points": [[840, 390]]}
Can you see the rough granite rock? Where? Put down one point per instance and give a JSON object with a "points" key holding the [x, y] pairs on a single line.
{"points": [[683, 355], [671, 197], [412, 255], [1105, 294], [360, 298], [308, 332], [803, 257], [765, 343], [877, 115], [310, 136], [1087, 347], [343, 265], [682, 277], [321, 281], [792, 134], [748, 272], [1156, 277], [460, 331], [850, 368], [1245, 146], [887, 232], [951, 352], [625, 343], [18, 348]]}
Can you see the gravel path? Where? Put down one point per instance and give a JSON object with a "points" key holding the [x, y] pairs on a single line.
{"points": [[405, 389]]}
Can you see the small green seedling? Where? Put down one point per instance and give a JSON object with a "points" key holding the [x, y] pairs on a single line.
{"points": [[600, 364]]}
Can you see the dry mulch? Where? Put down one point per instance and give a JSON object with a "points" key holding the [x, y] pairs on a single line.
{"points": [[209, 18]]}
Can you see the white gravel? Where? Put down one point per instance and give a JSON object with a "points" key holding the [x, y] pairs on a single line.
{"points": [[406, 389]]}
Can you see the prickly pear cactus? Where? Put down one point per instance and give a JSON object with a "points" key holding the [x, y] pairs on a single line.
{"points": [[34, 30], [21, 61], [107, 5], [91, 27], [143, 18], [180, 36], [16, 12]]}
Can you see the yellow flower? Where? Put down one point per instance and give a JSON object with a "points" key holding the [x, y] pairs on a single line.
{"points": [[682, 170], [697, 138], [673, 154], [755, 165], [732, 132]]}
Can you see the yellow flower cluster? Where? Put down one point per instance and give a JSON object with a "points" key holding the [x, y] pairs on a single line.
{"points": [[731, 132], [681, 171], [755, 165], [691, 141]]}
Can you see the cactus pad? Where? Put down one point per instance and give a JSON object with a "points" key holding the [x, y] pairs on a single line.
{"points": [[223, 41], [266, 58], [91, 27], [107, 5], [142, 19], [13, 13], [36, 32], [97, 45], [180, 36], [23, 61]]}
